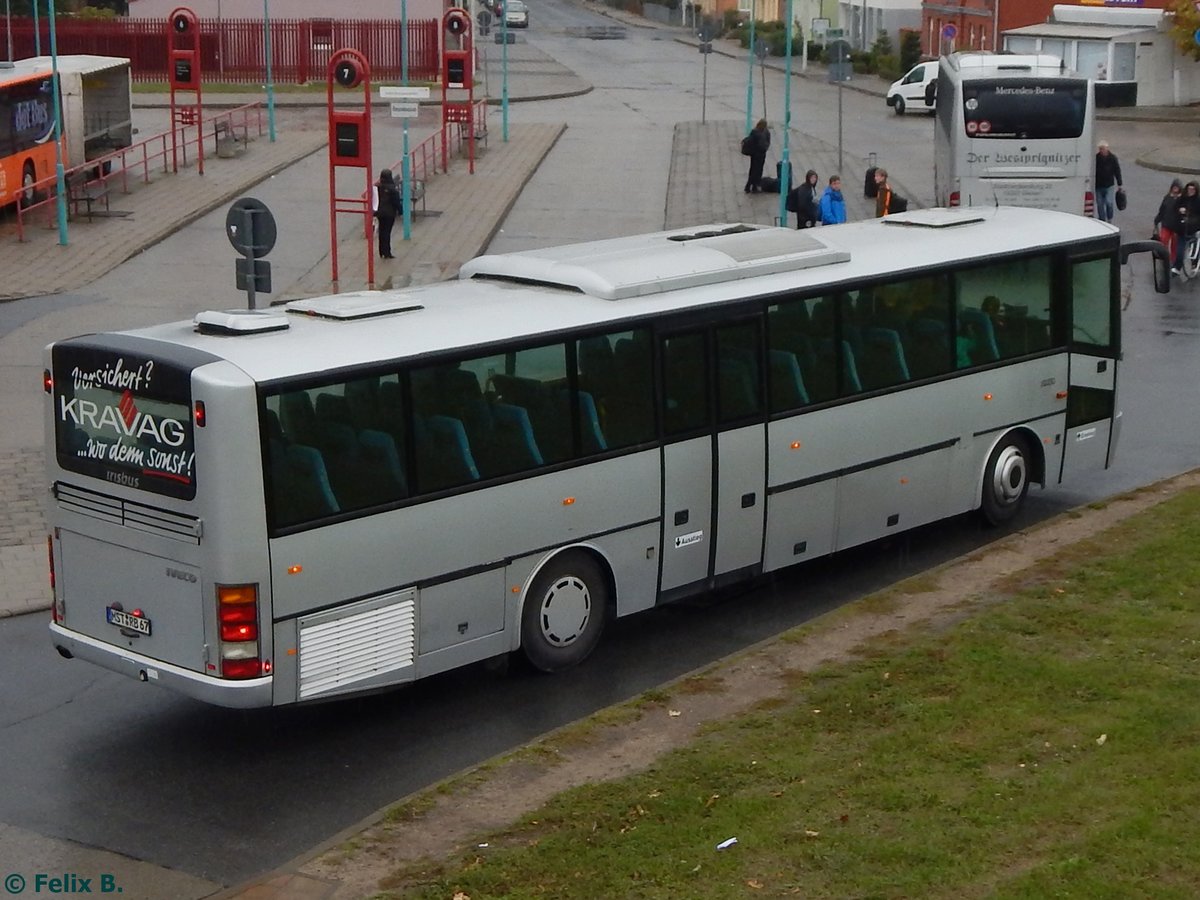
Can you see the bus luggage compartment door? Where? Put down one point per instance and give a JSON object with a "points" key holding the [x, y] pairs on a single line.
{"points": [[163, 620]]}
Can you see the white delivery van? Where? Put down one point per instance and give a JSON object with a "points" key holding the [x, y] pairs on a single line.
{"points": [[910, 91]]}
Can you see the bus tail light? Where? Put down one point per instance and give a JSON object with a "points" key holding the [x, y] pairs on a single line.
{"points": [[237, 621], [1089, 203], [954, 198]]}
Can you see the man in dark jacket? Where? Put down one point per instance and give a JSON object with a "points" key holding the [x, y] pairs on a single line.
{"points": [[1108, 181]]}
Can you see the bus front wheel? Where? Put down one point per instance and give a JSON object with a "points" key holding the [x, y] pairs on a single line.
{"points": [[564, 612], [1006, 480]]}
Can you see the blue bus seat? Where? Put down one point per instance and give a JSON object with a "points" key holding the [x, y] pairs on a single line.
{"points": [[444, 457], [928, 350], [515, 447], [362, 402], [589, 424], [332, 408], [977, 326], [382, 460], [297, 416], [787, 381], [883, 363], [300, 488]]}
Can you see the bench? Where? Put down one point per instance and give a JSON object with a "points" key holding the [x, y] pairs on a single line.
{"points": [[416, 193], [86, 192], [481, 132], [230, 139]]}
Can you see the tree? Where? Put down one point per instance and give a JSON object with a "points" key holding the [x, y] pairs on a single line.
{"points": [[1187, 22], [910, 48]]}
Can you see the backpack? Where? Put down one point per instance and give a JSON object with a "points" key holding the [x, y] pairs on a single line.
{"points": [[793, 200], [898, 204], [748, 145]]}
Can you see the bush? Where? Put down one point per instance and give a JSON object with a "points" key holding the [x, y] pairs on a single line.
{"points": [[888, 67]]}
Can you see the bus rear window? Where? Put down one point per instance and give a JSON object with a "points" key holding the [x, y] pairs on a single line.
{"points": [[124, 418], [1025, 108]]}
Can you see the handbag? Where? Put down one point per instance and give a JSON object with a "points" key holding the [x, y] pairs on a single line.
{"points": [[1121, 201]]}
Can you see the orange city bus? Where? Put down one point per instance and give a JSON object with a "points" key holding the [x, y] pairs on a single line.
{"points": [[26, 131]]}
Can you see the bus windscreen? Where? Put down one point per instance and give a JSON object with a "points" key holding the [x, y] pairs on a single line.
{"points": [[124, 418], [1025, 108]]}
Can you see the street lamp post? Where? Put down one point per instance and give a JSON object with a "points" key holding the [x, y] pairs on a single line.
{"points": [[504, 73], [37, 31], [270, 82], [785, 166], [750, 75], [60, 179]]}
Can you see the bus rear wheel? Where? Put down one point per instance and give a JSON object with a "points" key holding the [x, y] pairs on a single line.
{"points": [[1006, 480], [564, 612]]}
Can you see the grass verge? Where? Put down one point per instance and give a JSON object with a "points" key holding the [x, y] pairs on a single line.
{"points": [[1045, 746]]}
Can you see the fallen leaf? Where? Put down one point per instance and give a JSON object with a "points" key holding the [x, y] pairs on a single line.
{"points": [[461, 895], [711, 800], [1100, 740], [674, 713], [754, 883], [808, 832]]}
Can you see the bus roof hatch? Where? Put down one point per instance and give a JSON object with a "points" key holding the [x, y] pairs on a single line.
{"points": [[652, 264]]}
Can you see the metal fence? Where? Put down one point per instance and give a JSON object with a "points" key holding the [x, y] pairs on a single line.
{"points": [[232, 50]]}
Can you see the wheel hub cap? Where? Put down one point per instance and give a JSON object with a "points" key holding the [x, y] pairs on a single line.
{"points": [[1008, 479], [566, 608]]}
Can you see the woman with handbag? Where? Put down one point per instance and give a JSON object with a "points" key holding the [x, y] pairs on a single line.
{"points": [[386, 205], [758, 142]]}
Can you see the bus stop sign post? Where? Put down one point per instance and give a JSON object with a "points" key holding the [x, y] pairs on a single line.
{"points": [[706, 34], [251, 230], [761, 50]]}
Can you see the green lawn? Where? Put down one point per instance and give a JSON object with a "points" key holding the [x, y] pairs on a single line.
{"points": [[1045, 746]]}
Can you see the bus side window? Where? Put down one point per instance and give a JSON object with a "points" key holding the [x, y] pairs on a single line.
{"points": [[1014, 297], [616, 390], [789, 351], [685, 383], [739, 372]]}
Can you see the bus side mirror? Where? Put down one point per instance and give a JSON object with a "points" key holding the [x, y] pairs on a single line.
{"points": [[1162, 272], [1160, 261]]}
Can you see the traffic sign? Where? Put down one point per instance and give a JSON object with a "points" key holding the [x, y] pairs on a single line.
{"points": [[251, 227], [949, 31], [403, 92], [406, 110]]}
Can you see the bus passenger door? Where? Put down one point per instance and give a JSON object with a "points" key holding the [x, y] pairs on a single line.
{"points": [[714, 477], [1093, 420], [687, 462], [741, 451]]}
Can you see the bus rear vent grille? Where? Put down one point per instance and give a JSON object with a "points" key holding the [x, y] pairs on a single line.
{"points": [[365, 640], [138, 516]]}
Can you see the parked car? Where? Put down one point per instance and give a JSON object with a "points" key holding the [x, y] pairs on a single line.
{"points": [[516, 14], [911, 90]]}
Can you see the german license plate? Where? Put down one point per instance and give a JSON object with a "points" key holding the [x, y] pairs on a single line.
{"points": [[122, 619]]}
